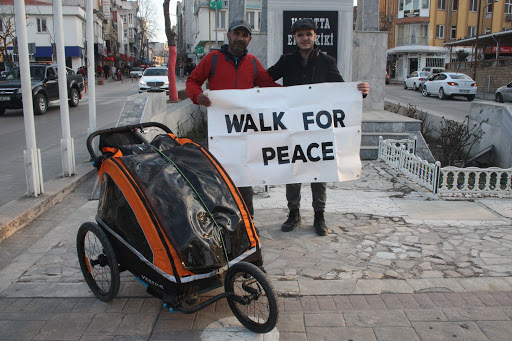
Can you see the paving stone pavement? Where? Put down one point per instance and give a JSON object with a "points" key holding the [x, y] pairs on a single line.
{"points": [[397, 264]]}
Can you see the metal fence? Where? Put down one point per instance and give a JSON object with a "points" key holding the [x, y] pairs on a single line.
{"points": [[447, 181]]}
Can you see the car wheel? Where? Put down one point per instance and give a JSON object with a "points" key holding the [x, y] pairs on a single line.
{"points": [[424, 92], [470, 97], [442, 94], [74, 97], [40, 104], [414, 87], [499, 98], [405, 85]]}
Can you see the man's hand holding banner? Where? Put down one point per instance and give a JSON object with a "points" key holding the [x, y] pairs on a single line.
{"points": [[297, 134]]}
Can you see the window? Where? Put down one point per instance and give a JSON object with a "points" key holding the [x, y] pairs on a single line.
{"points": [[455, 5], [251, 18], [489, 6], [413, 34], [221, 19], [401, 5], [41, 25], [130, 32], [453, 33], [508, 6], [125, 33], [130, 18], [425, 4], [123, 16], [50, 72], [1, 25], [441, 4], [434, 62], [471, 31], [440, 31], [473, 5]]}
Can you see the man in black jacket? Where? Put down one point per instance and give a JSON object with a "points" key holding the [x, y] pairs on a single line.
{"points": [[307, 65]]}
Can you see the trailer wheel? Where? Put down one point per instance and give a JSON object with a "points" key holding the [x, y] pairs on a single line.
{"points": [[98, 261], [260, 311]]}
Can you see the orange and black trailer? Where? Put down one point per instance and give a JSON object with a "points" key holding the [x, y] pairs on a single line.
{"points": [[170, 214]]}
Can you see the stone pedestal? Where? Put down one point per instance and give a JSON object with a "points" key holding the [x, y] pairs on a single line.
{"points": [[369, 65]]}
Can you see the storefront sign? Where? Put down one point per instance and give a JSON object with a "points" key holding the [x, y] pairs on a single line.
{"points": [[327, 32], [412, 13], [503, 49], [106, 8]]}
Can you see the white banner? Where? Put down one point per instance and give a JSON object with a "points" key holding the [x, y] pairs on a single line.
{"points": [[297, 134]]}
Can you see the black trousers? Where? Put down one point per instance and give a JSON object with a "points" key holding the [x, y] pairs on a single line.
{"points": [[318, 189], [247, 194]]}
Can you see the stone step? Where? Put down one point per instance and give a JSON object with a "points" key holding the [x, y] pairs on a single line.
{"points": [[390, 126], [372, 139], [369, 152]]}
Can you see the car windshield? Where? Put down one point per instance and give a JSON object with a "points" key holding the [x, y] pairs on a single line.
{"points": [[155, 72], [36, 72], [424, 74], [460, 76]]}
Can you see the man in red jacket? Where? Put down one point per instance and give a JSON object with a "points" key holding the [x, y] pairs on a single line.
{"points": [[230, 67]]}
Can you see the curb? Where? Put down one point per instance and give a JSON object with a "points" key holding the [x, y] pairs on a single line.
{"points": [[20, 212]]}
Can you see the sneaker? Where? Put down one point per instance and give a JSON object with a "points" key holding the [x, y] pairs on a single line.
{"points": [[319, 224], [292, 222]]}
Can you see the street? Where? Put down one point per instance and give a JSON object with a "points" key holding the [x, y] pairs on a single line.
{"points": [[455, 106], [110, 99]]}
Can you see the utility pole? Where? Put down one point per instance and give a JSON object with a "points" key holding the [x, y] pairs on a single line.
{"points": [[91, 71], [67, 147], [32, 155]]}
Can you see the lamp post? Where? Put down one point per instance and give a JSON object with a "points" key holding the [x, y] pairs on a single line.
{"points": [[477, 32]]}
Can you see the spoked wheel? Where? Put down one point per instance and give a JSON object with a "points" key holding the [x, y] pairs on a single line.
{"points": [[499, 98], [98, 261], [441, 95], [424, 91], [259, 310]]}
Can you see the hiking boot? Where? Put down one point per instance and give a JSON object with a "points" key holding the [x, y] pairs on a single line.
{"points": [[319, 224], [292, 222]]}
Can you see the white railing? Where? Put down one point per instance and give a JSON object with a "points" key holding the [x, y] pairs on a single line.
{"points": [[447, 181], [475, 182], [400, 155]]}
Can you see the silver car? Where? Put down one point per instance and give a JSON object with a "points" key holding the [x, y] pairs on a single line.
{"points": [[504, 93], [447, 84], [415, 79]]}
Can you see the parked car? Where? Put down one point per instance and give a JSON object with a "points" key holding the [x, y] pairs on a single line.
{"points": [[387, 78], [436, 69], [45, 88], [136, 72], [447, 84], [504, 93], [154, 79], [429, 78], [413, 81]]}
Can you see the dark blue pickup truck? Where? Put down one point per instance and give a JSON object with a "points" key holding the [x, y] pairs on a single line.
{"points": [[45, 88]]}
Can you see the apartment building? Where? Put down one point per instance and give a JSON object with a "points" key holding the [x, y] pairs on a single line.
{"points": [[419, 29], [108, 32], [204, 24]]}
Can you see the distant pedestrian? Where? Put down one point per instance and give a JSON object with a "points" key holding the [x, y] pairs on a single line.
{"points": [[106, 70], [114, 74]]}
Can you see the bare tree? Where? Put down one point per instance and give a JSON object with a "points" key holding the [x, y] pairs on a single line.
{"points": [[171, 64], [7, 39]]}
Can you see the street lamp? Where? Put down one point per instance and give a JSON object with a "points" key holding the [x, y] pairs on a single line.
{"points": [[476, 36]]}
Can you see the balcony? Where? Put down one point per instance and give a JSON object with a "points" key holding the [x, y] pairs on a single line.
{"points": [[412, 41]]}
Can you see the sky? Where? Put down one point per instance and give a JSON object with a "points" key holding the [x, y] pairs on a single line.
{"points": [[157, 4]]}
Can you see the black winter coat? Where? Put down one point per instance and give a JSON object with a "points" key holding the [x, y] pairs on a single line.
{"points": [[320, 68]]}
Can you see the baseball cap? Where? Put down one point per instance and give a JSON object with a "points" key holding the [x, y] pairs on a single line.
{"points": [[240, 23], [304, 23]]}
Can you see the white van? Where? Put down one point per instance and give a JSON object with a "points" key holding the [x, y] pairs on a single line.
{"points": [[433, 69]]}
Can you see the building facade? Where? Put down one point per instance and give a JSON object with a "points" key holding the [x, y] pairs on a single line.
{"points": [[418, 30]]}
